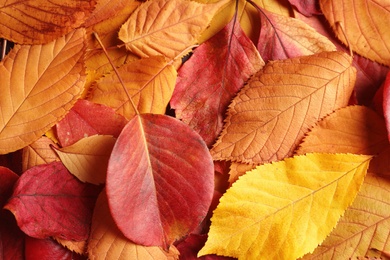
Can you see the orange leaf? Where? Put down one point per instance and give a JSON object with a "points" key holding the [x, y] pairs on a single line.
{"points": [[364, 24], [149, 81], [354, 129], [165, 27], [40, 84], [106, 9], [39, 152], [270, 115], [41, 21], [107, 242]]}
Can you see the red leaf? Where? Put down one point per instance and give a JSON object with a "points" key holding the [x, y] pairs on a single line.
{"points": [[11, 238], [306, 7], [386, 103], [49, 201], [160, 180], [81, 121], [48, 249], [211, 77], [7, 181]]}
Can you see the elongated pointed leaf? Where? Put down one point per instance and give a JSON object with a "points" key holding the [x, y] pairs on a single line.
{"points": [[160, 180], [211, 78], [39, 85], [270, 115], [285, 209]]}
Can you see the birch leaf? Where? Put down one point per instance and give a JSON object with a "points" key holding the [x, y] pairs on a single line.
{"points": [[270, 115], [165, 27], [39, 85], [285, 209]]}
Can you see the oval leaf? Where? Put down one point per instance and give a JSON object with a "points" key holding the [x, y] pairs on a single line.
{"points": [[39, 85], [49, 201], [41, 21], [165, 27], [270, 115], [285, 209], [160, 180]]}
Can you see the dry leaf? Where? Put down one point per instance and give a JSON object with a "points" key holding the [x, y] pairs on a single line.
{"points": [[41, 21], [39, 152], [165, 27], [106, 10], [285, 209], [238, 169], [271, 114], [363, 22], [39, 85]]}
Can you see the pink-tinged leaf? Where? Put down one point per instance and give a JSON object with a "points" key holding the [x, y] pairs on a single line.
{"points": [[82, 121], [7, 181], [307, 7], [386, 103], [48, 249], [160, 180], [211, 78], [11, 238], [49, 201]]}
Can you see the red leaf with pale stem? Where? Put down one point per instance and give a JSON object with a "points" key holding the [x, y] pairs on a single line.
{"points": [[160, 180], [49, 201]]}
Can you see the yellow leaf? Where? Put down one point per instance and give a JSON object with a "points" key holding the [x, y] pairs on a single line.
{"points": [[165, 27], [41, 21], [271, 114], [87, 159], [149, 81], [364, 226], [364, 23], [39, 85], [354, 129], [107, 242], [285, 209], [37, 153]]}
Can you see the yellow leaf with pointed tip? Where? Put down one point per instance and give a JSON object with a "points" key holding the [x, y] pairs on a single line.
{"points": [[285, 209], [149, 81], [87, 159], [107, 242], [353, 129], [271, 114], [363, 23], [364, 226], [39, 85], [166, 27]]}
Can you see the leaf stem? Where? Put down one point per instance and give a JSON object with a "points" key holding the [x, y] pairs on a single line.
{"points": [[117, 73]]}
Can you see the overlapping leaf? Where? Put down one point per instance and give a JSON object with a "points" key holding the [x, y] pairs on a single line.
{"points": [[41, 21], [105, 10], [39, 85], [48, 201], [306, 7], [386, 104], [362, 22], [107, 242], [211, 78], [365, 225], [270, 115], [165, 27], [87, 159], [149, 81], [285, 209], [160, 180], [39, 152], [354, 129]]}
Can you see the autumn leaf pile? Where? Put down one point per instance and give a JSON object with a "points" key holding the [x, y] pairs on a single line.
{"points": [[178, 129]]}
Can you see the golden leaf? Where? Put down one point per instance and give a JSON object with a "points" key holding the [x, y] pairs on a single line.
{"points": [[363, 22], [364, 226], [107, 9], [354, 129], [149, 81], [271, 114], [37, 153], [87, 159], [285, 209], [165, 27], [107, 242], [41, 21], [39, 84]]}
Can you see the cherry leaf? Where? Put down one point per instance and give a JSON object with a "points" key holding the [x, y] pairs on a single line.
{"points": [[39, 152], [306, 7], [49, 201], [7, 181], [159, 180], [386, 103], [211, 78]]}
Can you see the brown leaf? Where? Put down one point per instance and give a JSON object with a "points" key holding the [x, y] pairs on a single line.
{"points": [[41, 21], [40, 84], [270, 115]]}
